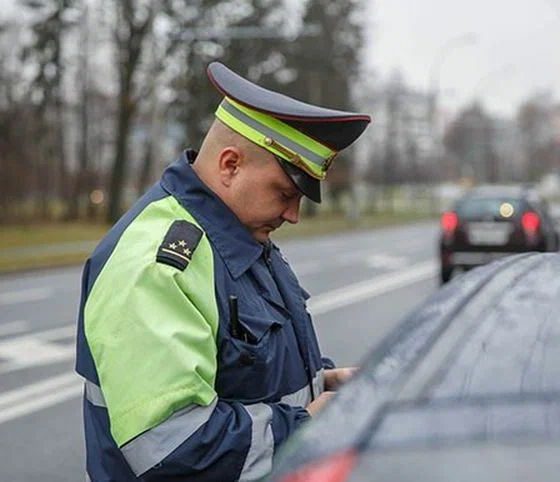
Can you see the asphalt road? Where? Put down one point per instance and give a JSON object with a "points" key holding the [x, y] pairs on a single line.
{"points": [[362, 284]]}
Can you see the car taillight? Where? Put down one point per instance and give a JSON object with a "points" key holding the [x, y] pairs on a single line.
{"points": [[336, 468], [530, 222], [449, 221]]}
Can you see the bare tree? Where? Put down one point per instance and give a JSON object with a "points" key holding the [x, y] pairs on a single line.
{"points": [[541, 152], [327, 67], [207, 30], [471, 138], [155, 89], [133, 23], [13, 161], [51, 20]]}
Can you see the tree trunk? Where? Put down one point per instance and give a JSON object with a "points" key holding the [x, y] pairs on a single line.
{"points": [[81, 179], [63, 188], [146, 169], [130, 34], [120, 163], [151, 148]]}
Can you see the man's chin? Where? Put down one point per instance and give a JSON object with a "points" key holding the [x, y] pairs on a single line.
{"points": [[263, 234]]}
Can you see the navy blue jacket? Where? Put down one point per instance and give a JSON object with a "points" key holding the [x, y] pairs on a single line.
{"points": [[264, 375]]}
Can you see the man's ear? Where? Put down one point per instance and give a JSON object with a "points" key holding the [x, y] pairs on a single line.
{"points": [[229, 160]]}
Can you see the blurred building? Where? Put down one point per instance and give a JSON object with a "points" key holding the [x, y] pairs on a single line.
{"points": [[538, 122], [402, 146]]}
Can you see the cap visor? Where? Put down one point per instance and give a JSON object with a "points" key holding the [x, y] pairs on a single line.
{"points": [[307, 185]]}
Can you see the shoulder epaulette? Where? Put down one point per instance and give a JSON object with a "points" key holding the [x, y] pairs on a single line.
{"points": [[179, 244]]}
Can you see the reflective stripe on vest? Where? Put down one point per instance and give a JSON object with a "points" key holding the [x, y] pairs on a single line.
{"points": [[94, 395], [258, 462], [302, 397], [151, 447]]}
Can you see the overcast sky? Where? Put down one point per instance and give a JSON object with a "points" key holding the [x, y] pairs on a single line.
{"points": [[513, 51]]}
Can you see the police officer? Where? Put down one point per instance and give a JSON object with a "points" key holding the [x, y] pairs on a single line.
{"points": [[198, 353]]}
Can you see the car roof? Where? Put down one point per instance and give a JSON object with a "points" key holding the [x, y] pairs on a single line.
{"points": [[499, 190], [478, 361]]}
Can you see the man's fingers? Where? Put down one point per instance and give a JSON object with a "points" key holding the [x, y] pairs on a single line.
{"points": [[337, 376], [347, 373], [317, 405]]}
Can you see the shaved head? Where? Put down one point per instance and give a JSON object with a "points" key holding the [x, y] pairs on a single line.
{"points": [[248, 179], [220, 137]]}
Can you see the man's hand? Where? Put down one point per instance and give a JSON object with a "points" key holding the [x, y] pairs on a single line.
{"points": [[317, 405], [335, 377]]}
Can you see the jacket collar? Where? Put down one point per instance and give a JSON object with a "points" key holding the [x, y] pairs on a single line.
{"points": [[231, 239]]}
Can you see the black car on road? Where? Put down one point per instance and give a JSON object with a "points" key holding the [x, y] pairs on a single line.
{"points": [[491, 222], [466, 389]]}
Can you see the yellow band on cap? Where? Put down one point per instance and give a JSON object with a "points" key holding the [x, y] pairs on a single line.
{"points": [[277, 137]]}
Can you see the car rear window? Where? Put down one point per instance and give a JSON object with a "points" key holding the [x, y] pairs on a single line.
{"points": [[495, 208]]}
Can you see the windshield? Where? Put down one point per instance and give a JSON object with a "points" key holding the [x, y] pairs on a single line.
{"points": [[498, 208]]}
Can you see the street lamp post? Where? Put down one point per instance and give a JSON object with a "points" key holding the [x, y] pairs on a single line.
{"points": [[498, 167], [434, 86], [435, 69], [489, 77]]}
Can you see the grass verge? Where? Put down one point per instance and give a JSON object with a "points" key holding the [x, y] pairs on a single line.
{"points": [[18, 236], [337, 223], [34, 246]]}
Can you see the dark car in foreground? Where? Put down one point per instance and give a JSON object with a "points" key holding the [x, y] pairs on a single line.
{"points": [[466, 389], [491, 222]]}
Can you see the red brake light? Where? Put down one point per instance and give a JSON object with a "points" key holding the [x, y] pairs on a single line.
{"points": [[449, 221], [335, 468], [530, 222]]}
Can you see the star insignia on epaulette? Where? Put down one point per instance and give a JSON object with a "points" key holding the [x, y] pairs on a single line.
{"points": [[179, 244]]}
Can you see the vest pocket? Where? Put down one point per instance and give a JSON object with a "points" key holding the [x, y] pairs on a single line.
{"points": [[250, 365], [255, 328]]}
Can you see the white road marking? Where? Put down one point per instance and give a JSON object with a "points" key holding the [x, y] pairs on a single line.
{"points": [[25, 296], [36, 349], [309, 267], [32, 352], [56, 333], [13, 327], [348, 295], [22, 394], [37, 396], [352, 256], [377, 261], [331, 243], [385, 261], [57, 389]]}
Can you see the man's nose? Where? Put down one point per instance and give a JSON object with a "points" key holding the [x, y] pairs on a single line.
{"points": [[291, 214]]}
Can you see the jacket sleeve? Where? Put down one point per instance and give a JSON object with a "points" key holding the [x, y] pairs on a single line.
{"points": [[328, 364], [157, 367], [237, 442], [200, 440]]}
